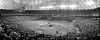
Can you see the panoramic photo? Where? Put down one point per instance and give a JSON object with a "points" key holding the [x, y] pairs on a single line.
{"points": [[49, 19]]}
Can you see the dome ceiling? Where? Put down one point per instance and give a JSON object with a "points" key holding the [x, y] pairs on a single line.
{"points": [[48, 4]]}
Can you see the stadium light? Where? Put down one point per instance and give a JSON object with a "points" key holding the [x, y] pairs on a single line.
{"points": [[90, 3], [63, 6], [72, 6], [50, 7], [47, 7]]}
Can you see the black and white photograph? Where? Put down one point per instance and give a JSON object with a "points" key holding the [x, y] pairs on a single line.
{"points": [[49, 19]]}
